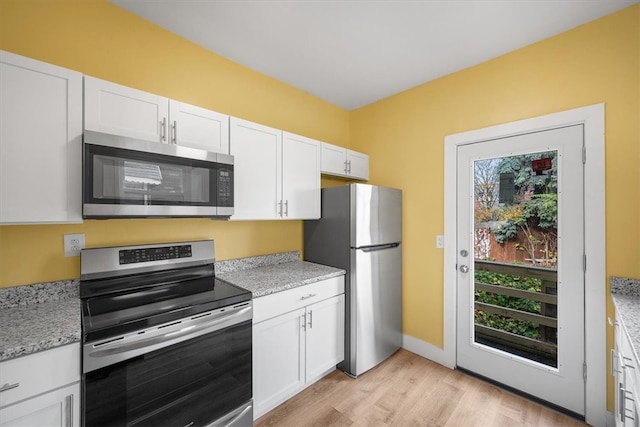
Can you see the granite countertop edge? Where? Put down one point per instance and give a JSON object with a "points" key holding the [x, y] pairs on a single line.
{"points": [[625, 293], [40, 317], [268, 280]]}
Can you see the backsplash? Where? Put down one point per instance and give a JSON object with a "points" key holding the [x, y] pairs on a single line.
{"points": [[64, 289]]}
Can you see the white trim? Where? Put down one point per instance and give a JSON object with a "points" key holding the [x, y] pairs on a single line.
{"points": [[426, 350], [595, 278]]}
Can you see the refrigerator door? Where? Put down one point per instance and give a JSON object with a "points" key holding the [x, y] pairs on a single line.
{"points": [[376, 306], [376, 215]]}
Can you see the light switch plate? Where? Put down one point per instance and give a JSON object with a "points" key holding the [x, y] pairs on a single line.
{"points": [[72, 244], [440, 241]]}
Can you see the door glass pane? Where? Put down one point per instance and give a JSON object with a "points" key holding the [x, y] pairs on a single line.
{"points": [[515, 255]]}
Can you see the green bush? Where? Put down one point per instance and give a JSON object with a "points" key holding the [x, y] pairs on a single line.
{"points": [[520, 327]]}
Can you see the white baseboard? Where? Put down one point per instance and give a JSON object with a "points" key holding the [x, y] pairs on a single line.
{"points": [[426, 350], [611, 419]]}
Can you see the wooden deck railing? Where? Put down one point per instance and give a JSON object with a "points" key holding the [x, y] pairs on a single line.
{"points": [[545, 347]]}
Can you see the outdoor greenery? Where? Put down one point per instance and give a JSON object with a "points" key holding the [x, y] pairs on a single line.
{"points": [[532, 215], [520, 327]]}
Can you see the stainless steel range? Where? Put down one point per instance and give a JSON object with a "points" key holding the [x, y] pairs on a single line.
{"points": [[164, 342]]}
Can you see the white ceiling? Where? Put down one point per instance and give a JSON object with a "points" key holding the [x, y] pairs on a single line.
{"points": [[354, 52]]}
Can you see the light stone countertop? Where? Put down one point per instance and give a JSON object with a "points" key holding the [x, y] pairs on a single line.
{"points": [[270, 279], [36, 327], [39, 317], [626, 297]]}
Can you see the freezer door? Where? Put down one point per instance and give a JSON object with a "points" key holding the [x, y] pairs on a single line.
{"points": [[376, 215], [376, 305]]}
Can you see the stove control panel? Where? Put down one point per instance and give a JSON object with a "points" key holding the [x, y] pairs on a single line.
{"points": [[133, 256]]}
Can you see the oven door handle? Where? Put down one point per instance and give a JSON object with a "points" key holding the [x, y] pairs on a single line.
{"points": [[118, 349]]}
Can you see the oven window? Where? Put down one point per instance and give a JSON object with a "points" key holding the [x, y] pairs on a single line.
{"points": [[190, 383], [117, 176]]}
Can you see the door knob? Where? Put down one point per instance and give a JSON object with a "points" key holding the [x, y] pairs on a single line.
{"points": [[464, 269]]}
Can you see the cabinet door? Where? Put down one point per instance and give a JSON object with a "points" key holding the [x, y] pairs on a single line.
{"points": [[257, 178], [300, 177], [278, 360], [357, 165], [197, 127], [121, 110], [58, 408], [40, 142], [325, 336], [334, 160]]}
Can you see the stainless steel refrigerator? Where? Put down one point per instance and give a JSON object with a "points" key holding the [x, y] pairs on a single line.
{"points": [[361, 232]]}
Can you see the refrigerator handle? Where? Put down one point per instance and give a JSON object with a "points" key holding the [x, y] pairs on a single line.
{"points": [[379, 247]]}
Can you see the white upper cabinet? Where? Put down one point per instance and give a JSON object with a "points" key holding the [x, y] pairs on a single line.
{"points": [[300, 177], [344, 162], [276, 174], [257, 152], [40, 142], [197, 127], [121, 110]]}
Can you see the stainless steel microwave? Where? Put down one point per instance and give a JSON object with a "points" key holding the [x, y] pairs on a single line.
{"points": [[132, 178]]}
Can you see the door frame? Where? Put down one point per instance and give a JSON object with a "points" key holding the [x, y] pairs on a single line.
{"points": [[592, 117]]}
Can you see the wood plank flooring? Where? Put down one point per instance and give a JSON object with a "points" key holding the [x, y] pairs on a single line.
{"points": [[408, 390]]}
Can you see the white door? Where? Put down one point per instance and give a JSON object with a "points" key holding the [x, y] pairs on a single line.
{"points": [[334, 160], [357, 165], [40, 142], [121, 110], [300, 177], [278, 359], [520, 254], [257, 170], [57, 408], [325, 336], [197, 127]]}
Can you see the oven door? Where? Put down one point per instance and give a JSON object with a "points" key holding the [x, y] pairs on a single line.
{"points": [[124, 177], [192, 375]]}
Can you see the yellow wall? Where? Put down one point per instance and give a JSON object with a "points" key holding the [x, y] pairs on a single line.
{"points": [[404, 136], [100, 39]]}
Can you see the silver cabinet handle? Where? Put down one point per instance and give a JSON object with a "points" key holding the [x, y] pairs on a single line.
{"points": [[346, 170], [163, 129], [614, 358], [286, 208], [174, 137], [279, 209], [349, 167], [304, 321], [310, 319], [69, 404], [308, 296], [8, 386]]}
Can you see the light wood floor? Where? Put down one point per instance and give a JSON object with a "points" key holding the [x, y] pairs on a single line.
{"points": [[408, 390]]}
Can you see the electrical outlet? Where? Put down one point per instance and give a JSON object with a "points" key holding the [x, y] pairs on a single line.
{"points": [[439, 241], [72, 244]]}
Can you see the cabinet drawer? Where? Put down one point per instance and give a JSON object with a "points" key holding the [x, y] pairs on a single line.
{"points": [[272, 305], [39, 372]]}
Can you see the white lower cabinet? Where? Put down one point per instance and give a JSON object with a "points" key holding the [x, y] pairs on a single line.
{"points": [[57, 408], [298, 337], [41, 389], [624, 366]]}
